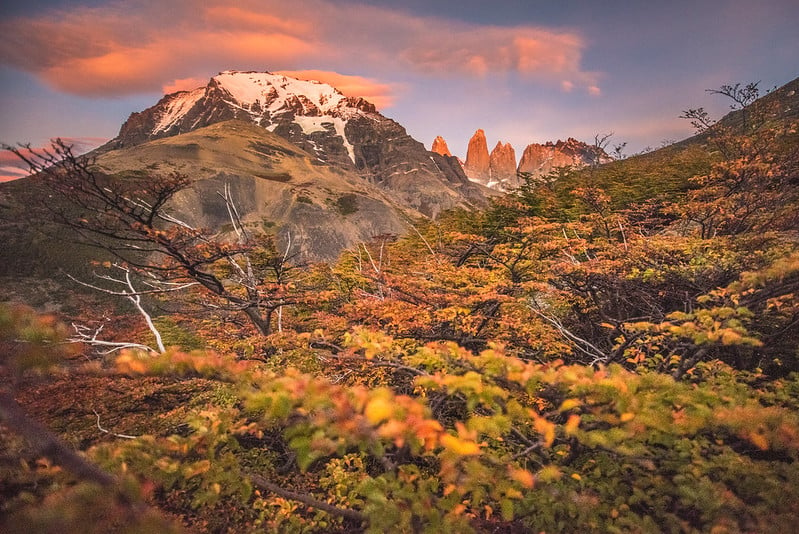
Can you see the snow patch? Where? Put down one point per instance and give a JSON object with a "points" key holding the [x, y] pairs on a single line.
{"points": [[273, 90], [177, 107], [310, 125]]}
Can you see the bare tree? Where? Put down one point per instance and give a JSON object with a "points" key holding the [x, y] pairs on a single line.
{"points": [[129, 219]]}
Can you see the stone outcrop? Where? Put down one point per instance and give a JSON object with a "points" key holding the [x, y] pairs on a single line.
{"points": [[477, 165], [502, 166], [541, 159], [440, 147]]}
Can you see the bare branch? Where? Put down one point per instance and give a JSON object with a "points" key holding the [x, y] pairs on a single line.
{"points": [[583, 345], [101, 429], [83, 334]]}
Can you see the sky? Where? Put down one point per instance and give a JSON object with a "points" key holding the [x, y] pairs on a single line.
{"points": [[524, 71]]}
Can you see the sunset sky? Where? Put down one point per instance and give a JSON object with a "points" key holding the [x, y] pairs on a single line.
{"points": [[524, 71]]}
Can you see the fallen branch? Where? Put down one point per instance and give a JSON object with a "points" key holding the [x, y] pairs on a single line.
{"points": [[45, 443], [308, 500], [101, 429]]}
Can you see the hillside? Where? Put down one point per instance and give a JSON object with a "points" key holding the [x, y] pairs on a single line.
{"points": [[666, 172], [322, 210]]}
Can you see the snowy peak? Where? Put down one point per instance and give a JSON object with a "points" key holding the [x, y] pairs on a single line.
{"points": [[263, 91], [175, 106], [313, 114]]}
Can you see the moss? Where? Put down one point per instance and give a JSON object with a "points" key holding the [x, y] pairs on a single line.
{"points": [[174, 334], [347, 204]]}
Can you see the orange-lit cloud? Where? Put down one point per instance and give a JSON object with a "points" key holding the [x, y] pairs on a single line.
{"points": [[144, 45], [130, 70], [8, 173], [481, 51], [13, 166], [382, 95], [183, 84]]}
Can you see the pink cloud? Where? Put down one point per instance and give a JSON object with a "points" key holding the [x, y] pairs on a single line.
{"points": [[483, 50], [237, 18], [380, 94], [13, 166], [126, 70], [183, 84], [11, 173], [139, 46]]}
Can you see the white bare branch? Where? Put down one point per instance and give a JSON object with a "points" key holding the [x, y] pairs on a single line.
{"points": [[134, 296], [84, 334], [101, 429], [583, 345]]}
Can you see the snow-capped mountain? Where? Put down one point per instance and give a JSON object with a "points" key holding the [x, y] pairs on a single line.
{"points": [[337, 130]]}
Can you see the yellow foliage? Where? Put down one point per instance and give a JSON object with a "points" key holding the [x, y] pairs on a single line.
{"points": [[378, 410], [572, 424], [547, 430], [523, 477], [459, 446]]}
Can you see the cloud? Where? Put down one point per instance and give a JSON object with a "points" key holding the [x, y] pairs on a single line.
{"points": [[144, 45], [128, 70], [478, 51], [183, 84], [12, 166], [11, 173], [382, 95]]}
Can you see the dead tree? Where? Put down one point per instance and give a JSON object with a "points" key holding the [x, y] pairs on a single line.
{"points": [[129, 219]]}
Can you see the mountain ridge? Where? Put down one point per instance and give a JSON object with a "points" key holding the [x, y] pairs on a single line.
{"points": [[345, 132]]}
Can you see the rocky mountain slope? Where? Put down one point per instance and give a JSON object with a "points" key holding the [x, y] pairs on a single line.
{"points": [[541, 159], [502, 166], [317, 210]]}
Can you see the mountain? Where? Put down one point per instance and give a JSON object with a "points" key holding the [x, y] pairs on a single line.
{"points": [[321, 170], [317, 209], [665, 173], [440, 147], [347, 133], [477, 163], [541, 159], [498, 170], [502, 166]]}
